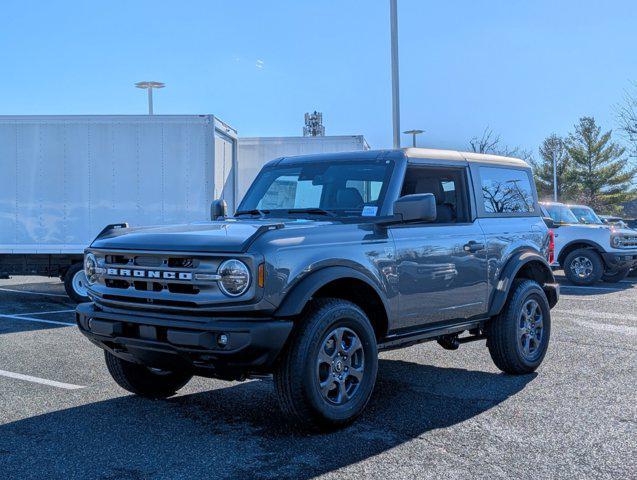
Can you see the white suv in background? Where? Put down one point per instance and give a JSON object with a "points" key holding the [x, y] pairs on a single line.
{"points": [[591, 251]]}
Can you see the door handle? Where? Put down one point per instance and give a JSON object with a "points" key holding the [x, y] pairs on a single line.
{"points": [[473, 246]]}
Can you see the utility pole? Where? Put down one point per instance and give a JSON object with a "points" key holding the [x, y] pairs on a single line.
{"points": [[149, 87], [395, 97]]}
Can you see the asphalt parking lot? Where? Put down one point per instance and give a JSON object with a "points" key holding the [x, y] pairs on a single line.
{"points": [[435, 414]]}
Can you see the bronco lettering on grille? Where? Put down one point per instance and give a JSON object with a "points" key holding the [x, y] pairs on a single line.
{"points": [[158, 274]]}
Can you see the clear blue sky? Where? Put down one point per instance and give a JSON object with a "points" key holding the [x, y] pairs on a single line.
{"points": [[524, 68]]}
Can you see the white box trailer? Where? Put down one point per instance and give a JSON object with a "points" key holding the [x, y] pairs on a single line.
{"points": [[254, 152], [64, 178]]}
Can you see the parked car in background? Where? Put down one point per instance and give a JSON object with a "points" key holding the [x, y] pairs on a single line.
{"points": [[590, 252], [585, 214], [614, 221]]}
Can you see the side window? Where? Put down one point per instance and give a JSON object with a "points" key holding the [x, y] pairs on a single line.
{"points": [[447, 185], [506, 190]]}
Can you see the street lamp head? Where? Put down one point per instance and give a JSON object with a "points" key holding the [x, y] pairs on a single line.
{"points": [[147, 84], [413, 134]]}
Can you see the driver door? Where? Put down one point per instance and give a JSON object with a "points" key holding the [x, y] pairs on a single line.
{"points": [[441, 266]]}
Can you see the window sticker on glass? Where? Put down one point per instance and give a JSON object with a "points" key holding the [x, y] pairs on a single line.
{"points": [[369, 211]]}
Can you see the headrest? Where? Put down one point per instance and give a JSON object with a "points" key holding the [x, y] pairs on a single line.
{"points": [[349, 197]]}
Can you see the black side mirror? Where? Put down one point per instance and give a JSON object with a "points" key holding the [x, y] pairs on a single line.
{"points": [[417, 207], [218, 209], [549, 222]]}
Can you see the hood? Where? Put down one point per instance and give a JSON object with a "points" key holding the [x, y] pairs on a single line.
{"points": [[227, 236], [623, 231]]}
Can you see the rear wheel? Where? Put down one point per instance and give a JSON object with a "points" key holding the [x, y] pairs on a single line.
{"points": [[326, 376], [614, 277], [519, 336], [145, 381], [583, 266], [75, 283]]}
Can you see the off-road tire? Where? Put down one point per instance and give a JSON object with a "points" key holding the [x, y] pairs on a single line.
{"points": [[296, 378], [614, 277], [143, 381], [595, 260], [68, 283], [503, 335]]}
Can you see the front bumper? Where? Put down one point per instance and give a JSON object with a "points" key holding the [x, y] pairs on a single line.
{"points": [[620, 260], [253, 344]]}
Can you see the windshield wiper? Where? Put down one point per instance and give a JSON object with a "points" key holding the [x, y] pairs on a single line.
{"points": [[313, 210], [255, 211]]}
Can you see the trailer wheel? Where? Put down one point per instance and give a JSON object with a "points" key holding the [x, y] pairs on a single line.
{"points": [[75, 283]]}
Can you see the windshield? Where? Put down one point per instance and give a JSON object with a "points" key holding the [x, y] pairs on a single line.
{"points": [[560, 213], [338, 189], [586, 215]]}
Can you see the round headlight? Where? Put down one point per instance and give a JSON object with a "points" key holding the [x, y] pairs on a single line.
{"points": [[616, 241], [90, 268], [235, 277]]}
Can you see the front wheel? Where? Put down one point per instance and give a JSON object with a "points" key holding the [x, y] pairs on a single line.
{"points": [[145, 381], [327, 374], [518, 337], [614, 277], [583, 266]]}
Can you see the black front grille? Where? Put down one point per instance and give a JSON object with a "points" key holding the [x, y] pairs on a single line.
{"points": [[148, 301], [148, 261]]}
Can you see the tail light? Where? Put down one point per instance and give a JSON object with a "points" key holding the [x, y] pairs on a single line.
{"points": [[551, 246]]}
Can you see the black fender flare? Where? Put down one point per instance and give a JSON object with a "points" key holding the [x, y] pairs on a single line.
{"points": [[512, 267], [295, 301]]}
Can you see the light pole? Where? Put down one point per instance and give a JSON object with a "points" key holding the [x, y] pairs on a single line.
{"points": [[395, 97], [413, 133], [149, 86], [554, 176]]}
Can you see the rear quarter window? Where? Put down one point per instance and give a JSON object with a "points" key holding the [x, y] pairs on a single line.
{"points": [[506, 191]]}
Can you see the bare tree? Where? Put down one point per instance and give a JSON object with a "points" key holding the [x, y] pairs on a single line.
{"points": [[627, 118], [489, 142]]}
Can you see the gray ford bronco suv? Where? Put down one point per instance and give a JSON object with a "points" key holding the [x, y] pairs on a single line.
{"points": [[328, 260]]}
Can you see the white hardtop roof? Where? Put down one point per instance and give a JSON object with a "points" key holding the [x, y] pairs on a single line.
{"points": [[471, 157]]}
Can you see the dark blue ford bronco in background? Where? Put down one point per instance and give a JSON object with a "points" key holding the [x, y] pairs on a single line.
{"points": [[328, 260]]}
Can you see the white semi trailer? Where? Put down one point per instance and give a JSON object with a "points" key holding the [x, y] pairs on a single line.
{"points": [[64, 178]]}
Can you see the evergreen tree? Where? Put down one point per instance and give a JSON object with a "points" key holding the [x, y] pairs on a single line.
{"points": [[598, 167], [553, 147]]}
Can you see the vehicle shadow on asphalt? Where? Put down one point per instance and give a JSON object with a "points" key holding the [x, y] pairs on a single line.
{"points": [[601, 288], [238, 431]]}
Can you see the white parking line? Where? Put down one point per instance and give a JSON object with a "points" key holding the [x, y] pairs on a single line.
{"points": [[623, 329], [36, 320], [27, 292], [43, 381]]}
